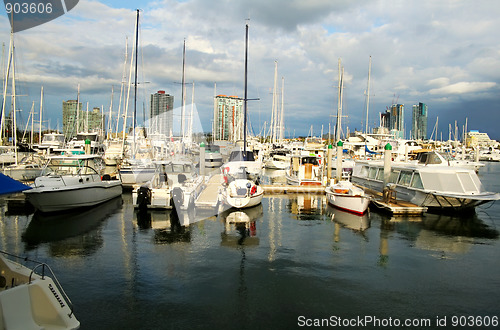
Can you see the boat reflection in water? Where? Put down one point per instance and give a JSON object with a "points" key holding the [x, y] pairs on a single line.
{"points": [[166, 225], [306, 206], [355, 222], [240, 226], [444, 234], [70, 232]]}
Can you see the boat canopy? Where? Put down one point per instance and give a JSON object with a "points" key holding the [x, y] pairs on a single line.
{"points": [[10, 186]]}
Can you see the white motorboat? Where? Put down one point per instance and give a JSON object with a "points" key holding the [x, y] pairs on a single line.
{"points": [[437, 187], [174, 185], [33, 298], [51, 142], [213, 157], [27, 169], [277, 160], [136, 171], [304, 170], [239, 190], [346, 196], [72, 181]]}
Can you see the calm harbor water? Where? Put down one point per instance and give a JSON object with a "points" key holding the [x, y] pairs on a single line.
{"points": [[297, 262]]}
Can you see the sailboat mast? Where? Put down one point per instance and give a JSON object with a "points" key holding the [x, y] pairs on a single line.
{"points": [[135, 72], [274, 112], [282, 120], [14, 128], [183, 96], [339, 104], [9, 61], [41, 108], [368, 94], [245, 97]]}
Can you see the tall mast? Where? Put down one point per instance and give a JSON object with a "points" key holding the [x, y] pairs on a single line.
{"points": [[110, 126], [9, 62], [245, 97], [183, 96], [40, 127], [77, 111], [13, 98], [282, 119], [122, 92], [368, 94], [135, 74], [274, 112], [339, 104]]}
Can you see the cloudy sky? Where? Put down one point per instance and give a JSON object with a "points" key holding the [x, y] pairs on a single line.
{"points": [[442, 53]]}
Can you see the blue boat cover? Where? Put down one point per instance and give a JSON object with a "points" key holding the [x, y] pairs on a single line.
{"points": [[9, 185]]}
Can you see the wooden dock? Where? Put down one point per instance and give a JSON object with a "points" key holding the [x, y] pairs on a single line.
{"points": [[285, 189], [394, 205], [210, 195]]}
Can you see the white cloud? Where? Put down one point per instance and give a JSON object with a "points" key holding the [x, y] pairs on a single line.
{"points": [[463, 87]]}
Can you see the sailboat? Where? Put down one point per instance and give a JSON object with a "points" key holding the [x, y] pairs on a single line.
{"points": [[240, 188], [343, 194], [136, 170]]}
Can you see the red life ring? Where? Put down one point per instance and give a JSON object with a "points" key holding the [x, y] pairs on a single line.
{"points": [[253, 190]]}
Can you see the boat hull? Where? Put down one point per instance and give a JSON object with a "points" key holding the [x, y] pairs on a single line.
{"points": [[33, 301], [433, 200], [234, 197], [355, 204], [60, 198], [133, 176]]}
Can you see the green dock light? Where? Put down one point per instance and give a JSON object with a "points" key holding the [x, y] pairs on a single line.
{"points": [[340, 143], [388, 147]]}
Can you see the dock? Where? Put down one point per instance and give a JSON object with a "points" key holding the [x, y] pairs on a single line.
{"points": [[210, 195], [394, 206], [286, 189]]}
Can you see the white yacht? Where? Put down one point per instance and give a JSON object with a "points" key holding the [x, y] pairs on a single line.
{"points": [[438, 187]]}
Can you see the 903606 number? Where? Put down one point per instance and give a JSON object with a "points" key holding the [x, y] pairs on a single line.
{"points": [[28, 8], [474, 321]]}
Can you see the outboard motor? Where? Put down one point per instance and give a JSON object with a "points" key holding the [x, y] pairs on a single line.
{"points": [[177, 197], [143, 197]]}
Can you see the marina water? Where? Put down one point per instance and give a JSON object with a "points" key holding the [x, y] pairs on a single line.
{"points": [[297, 263]]}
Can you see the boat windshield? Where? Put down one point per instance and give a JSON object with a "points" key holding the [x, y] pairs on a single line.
{"points": [[241, 156], [69, 167], [310, 160], [429, 158]]}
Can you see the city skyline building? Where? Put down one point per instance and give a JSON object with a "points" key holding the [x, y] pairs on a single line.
{"points": [[76, 120], [161, 113], [419, 121], [228, 118], [393, 120]]}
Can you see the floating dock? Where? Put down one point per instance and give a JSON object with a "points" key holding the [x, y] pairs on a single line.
{"points": [[285, 189], [210, 195], [394, 205]]}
